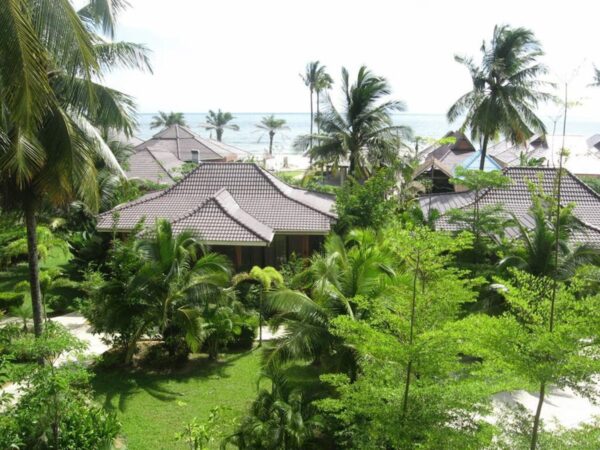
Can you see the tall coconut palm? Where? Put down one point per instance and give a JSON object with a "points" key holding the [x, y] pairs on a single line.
{"points": [[505, 90], [362, 131], [163, 119], [272, 125], [219, 121], [324, 83], [314, 78], [51, 111]]}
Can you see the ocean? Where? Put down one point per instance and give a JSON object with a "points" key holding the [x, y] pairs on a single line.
{"points": [[254, 140]]}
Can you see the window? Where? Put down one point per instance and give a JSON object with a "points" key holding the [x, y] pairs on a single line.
{"points": [[195, 158]]}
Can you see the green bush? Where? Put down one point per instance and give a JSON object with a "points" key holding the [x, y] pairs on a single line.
{"points": [[244, 338], [56, 411], [11, 300]]}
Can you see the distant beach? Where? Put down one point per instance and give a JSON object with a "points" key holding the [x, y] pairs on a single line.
{"points": [[249, 138]]}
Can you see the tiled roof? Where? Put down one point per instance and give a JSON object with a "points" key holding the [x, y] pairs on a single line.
{"points": [[447, 156], [180, 141], [230, 202], [155, 166], [516, 199], [583, 153]]}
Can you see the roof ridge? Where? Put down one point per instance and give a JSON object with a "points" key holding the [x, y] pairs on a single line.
{"points": [[223, 190], [267, 176], [214, 197], [159, 163], [159, 194]]}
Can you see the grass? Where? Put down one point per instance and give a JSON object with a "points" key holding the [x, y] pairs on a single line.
{"points": [[152, 407]]}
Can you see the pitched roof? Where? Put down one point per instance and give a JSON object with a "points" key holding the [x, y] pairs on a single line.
{"points": [[181, 141], [153, 165], [448, 155], [583, 153], [473, 161], [230, 203], [516, 199]]}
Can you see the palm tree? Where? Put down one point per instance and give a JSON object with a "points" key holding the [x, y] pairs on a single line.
{"points": [[179, 280], [267, 278], [347, 270], [164, 119], [315, 78], [272, 125], [51, 109], [505, 89], [324, 83], [219, 121], [537, 255], [363, 130], [279, 418]]}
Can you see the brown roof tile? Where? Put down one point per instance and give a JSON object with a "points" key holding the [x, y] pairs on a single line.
{"points": [[516, 199], [226, 195]]}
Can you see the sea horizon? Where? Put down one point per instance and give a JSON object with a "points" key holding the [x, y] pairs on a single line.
{"points": [[250, 138]]}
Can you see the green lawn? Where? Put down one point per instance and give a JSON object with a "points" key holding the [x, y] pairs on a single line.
{"points": [[153, 407]]}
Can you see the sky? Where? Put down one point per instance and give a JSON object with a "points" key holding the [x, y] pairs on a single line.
{"points": [[246, 56]]}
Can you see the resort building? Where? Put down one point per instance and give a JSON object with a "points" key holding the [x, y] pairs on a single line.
{"points": [[516, 201], [583, 153], [442, 159], [239, 209], [160, 158]]}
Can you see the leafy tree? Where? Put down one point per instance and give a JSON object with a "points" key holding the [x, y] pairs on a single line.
{"points": [[272, 125], [545, 338], [369, 204], [488, 222], [163, 119], [505, 89], [362, 132], [219, 121], [52, 108], [412, 389]]}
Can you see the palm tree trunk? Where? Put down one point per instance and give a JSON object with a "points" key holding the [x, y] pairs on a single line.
{"points": [[536, 420], [538, 412], [260, 319], [219, 134], [483, 151], [271, 136], [411, 334], [311, 118], [318, 112], [34, 268]]}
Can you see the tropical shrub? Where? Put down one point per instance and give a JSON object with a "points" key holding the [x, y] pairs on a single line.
{"points": [[55, 409]]}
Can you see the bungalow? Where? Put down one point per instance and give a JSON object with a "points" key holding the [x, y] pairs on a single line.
{"points": [[583, 158], [516, 200], [160, 158], [442, 159], [239, 209]]}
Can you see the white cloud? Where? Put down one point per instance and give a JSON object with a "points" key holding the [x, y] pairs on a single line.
{"points": [[244, 55]]}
